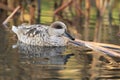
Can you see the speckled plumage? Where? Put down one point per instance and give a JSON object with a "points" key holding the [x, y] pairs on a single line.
{"points": [[42, 35]]}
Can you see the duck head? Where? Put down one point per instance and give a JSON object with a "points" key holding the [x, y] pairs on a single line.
{"points": [[58, 28]]}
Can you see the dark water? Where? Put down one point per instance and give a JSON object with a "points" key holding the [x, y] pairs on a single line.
{"points": [[23, 62]]}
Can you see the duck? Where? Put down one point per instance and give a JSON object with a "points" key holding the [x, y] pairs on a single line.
{"points": [[43, 35]]}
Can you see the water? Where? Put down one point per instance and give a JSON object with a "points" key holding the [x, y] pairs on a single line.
{"points": [[23, 62]]}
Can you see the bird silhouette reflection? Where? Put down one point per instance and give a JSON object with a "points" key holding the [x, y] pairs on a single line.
{"points": [[42, 54]]}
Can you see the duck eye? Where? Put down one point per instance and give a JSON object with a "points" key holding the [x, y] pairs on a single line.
{"points": [[58, 27]]}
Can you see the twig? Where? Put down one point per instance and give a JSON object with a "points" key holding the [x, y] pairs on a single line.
{"points": [[111, 46], [63, 7], [8, 18], [95, 47], [105, 45], [102, 49]]}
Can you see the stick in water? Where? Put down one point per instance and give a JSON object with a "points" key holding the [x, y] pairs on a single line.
{"points": [[95, 47], [8, 18]]}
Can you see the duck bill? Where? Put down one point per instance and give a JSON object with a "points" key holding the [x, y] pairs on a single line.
{"points": [[68, 36]]}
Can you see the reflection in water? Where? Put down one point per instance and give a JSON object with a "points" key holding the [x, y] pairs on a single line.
{"points": [[42, 55], [3, 39], [104, 71]]}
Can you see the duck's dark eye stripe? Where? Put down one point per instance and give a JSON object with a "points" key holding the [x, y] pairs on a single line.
{"points": [[58, 27]]}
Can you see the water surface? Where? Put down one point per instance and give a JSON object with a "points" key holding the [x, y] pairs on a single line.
{"points": [[19, 61]]}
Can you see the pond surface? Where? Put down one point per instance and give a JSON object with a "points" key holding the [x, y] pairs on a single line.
{"points": [[19, 61]]}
